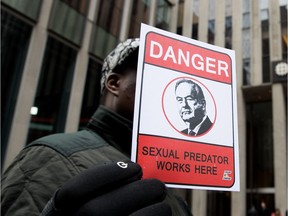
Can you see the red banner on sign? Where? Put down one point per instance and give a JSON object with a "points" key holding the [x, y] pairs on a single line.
{"points": [[177, 55], [186, 162]]}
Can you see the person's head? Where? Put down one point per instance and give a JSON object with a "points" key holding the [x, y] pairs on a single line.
{"points": [[277, 212], [191, 102], [263, 205], [119, 78]]}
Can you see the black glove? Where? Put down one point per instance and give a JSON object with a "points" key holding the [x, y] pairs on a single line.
{"points": [[110, 189]]}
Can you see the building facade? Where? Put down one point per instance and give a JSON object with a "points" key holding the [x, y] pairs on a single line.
{"points": [[52, 53]]}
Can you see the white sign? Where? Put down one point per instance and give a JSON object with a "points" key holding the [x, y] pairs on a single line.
{"points": [[185, 119]]}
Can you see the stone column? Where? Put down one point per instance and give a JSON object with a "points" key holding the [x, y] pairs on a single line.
{"points": [[199, 197], [153, 10], [238, 201], [278, 113], [187, 18], [125, 23], [280, 150], [256, 44], [220, 23], [174, 16], [80, 72], [203, 21]]}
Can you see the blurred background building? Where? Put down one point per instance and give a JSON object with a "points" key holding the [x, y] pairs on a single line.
{"points": [[51, 56]]}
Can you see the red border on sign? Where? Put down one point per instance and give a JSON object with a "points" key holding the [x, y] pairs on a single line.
{"points": [[175, 168], [210, 60], [183, 162]]}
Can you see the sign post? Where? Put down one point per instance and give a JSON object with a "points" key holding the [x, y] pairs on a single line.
{"points": [[185, 118]]}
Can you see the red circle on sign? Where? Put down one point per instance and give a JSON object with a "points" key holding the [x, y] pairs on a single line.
{"points": [[173, 117]]}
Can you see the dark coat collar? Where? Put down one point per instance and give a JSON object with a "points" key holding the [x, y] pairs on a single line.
{"points": [[113, 128]]}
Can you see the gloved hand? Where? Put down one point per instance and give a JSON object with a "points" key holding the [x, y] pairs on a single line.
{"points": [[110, 189]]}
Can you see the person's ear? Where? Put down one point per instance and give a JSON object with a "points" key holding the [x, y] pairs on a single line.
{"points": [[112, 83]]}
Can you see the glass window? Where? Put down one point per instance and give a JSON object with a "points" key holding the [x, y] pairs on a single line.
{"points": [[246, 43], [53, 91], [163, 14], [246, 47], [266, 75], [110, 16], [218, 203], [246, 71], [30, 8], [91, 93], [228, 8], [263, 4], [260, 169], [180, 17], [15, 37], [256, 202], [246, 6], [107, 27], [284, 31], [68, 19], [80, 6], [246, 20], [211, 31], [140, 14], [196, 5], [228, 32], [195, 31], [99, 48], [211, 9]]}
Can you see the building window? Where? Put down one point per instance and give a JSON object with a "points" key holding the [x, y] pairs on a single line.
{"points": [[246, 6], [246, 71], [228, 32], [246, 46], [265, 61], [284, 32], [218, 203], [196, 12], [246, 38], [68, 19], [163, 14], [29, 8], [259, 154], [15, 37], [260, 203], [195, 31], [91, 93], [180, 17], [110, 16], [260, 169], [140, 14], [246, 20], [211, 31], [53, 92], [265, 50], [107, 27], [81, 6]]}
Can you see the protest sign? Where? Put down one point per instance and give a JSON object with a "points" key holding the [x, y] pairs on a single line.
{"points": [[185, 118]]}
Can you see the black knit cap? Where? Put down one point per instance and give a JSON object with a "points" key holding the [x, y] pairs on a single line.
{"points": [[117, 56]]}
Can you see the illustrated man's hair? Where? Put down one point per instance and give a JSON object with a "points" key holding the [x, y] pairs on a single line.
{"points": [[196, 91]]}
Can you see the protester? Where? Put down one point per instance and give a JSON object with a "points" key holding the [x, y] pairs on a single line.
{"points": [[263, 211], [276, 213], [88, 172]]}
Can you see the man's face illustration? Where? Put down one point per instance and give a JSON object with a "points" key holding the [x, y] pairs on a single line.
{"points": [[191, 110]]}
